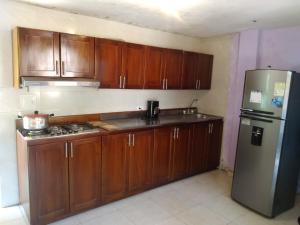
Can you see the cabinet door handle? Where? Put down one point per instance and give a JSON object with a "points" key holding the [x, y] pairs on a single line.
{"points": [[163, 84], [66, 149], [199, 84], [124, 81], [166, 83], [120, 81], [212, 128], [72, 152], [177, 133], [133, 140], [63, 67], [174, 135], [56, 67], [129, 140]]}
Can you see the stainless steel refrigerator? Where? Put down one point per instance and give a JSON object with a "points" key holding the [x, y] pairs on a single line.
{"points": [[268, 149]]}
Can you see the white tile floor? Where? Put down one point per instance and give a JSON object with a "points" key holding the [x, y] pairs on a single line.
{"points": [[199, 200]]}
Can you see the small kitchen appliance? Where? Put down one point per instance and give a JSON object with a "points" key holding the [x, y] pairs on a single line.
{"points": [[268, 154], [152, 109]]}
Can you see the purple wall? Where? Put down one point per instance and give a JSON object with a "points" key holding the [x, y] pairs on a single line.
{"points": [[278, 48]]}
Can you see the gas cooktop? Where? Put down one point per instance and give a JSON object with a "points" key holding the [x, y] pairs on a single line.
{"points": [[60, 130]]}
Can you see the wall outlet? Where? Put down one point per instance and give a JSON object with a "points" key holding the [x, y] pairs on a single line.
{"points": [[139, 108]]}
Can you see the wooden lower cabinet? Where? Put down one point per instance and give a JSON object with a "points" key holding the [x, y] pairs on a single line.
{"points": [[215, 144], [63, 178], [180, 153], [199, 148], [114, 166], [48, 185], [84, 173], [140, 161], [69, 176], [163, 142], [126, 164]]}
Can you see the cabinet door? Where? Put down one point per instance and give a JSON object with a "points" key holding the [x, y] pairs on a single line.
{"points": [[190, 70], [108, 62], [38, 53], [205, 70], [163, 143], [77, 56], [48, 166], [181, 152], [114, 166], [173, 62], [154, 68], [84, 172], [140, 161], [198, 162], [133, 66], [215, 144]]}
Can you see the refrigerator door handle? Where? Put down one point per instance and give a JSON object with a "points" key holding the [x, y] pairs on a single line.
{"points": [[257, 119]]}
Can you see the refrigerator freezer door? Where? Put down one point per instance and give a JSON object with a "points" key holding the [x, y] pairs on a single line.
{"points": [[258, 154], [266, 91]]}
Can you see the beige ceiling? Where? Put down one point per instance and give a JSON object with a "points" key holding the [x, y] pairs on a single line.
{"points": [[199, 18]]}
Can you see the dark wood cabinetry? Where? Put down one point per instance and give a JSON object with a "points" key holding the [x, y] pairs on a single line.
{"points": [[205, 67], [48, 169], [108, 61], [199, 148], [115, 64], [214, 144], [39, 53], [140, 160], [163, 68], [181, 149], [173, 65], [197, 70], [84, 173], [154, 77], [133, 66], [64, 178], [42, 53], [126, 164], [171, 153], [114, 166], [77, 56], [163, 142]]}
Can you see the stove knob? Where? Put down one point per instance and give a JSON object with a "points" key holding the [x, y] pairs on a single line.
{"points": [[70, 131], [64, 132], [52, 134], [75, 131]]}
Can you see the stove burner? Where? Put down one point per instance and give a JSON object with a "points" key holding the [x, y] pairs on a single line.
{"points": [[58, 130]]}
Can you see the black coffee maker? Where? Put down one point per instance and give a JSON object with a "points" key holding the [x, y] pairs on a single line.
{"points": [[152, 110]]}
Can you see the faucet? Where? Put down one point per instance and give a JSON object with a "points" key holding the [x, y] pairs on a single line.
{"points": [[190, 110]]}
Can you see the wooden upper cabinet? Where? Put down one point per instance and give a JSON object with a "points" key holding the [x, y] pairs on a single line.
{"points": [[133, 66], [114, 166], [77, 56], [140, 160], [190, 70], [173, 65], [37, 52], [154, 68], [48, 167], [205, 70], [197, 70], [84, 173], [108, 62]]}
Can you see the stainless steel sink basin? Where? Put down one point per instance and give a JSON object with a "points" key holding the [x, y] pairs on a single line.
{"points": [[201, 116]]}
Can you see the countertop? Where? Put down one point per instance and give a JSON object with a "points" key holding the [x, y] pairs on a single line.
{"points": [[142, 123]]}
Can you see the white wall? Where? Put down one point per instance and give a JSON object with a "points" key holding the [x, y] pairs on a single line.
{"points": [[65, 101]]}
